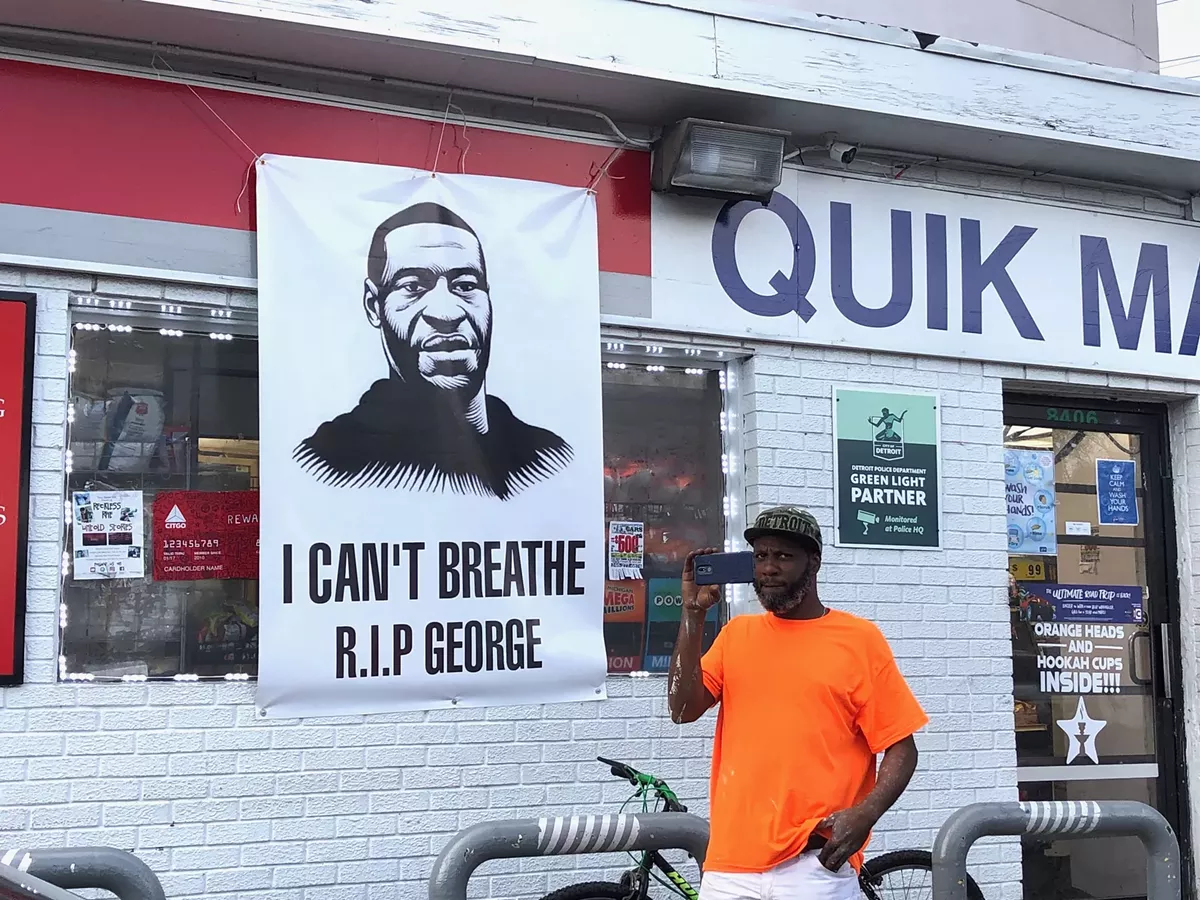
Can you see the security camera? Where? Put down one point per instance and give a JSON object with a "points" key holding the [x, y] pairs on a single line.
{"points": [[843, 153]]}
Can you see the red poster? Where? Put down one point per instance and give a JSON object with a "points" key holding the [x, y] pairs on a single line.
{"points": [[16, 403], [205, 534]]}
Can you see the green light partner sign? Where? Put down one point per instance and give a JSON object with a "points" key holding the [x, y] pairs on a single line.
{"points": [[886, 460]]}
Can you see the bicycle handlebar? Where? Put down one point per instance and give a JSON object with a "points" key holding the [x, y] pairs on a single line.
{"points": [[638, 779], [621, 770]]}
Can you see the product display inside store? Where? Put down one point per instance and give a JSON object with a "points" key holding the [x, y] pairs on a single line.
{"points": [[161, 561]]}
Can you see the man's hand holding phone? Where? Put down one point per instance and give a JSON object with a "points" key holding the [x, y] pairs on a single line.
{"points": [[687, 696], [698, 599]]}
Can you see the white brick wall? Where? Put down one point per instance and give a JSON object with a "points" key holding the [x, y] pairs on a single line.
{"points": [[223, 805]]}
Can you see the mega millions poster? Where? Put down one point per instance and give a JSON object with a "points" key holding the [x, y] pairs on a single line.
{"points": [[432, 492]]}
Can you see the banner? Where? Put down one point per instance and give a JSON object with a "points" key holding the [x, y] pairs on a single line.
{"points": [[108, 535], [205, 534], [1029, 494], [886, 461], [17, 312], [431, 449]]}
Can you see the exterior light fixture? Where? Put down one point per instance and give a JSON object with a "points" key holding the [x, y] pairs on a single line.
{"points": [[718, 159]]}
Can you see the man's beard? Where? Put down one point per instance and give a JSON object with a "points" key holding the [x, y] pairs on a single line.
{"points": [[780, 600]]}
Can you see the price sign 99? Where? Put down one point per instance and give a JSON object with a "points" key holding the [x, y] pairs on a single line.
{"points": [[1027, 569]]}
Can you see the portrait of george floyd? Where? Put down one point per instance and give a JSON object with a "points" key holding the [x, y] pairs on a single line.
{"points": [[430, 424]]}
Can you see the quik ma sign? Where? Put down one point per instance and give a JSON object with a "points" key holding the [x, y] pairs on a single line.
{"points": [[847, 262]]}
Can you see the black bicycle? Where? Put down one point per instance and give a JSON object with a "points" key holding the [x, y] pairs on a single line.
{"points": [[903, 873]]}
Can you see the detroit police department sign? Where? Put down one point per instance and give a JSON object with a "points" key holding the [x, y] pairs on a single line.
{"points": [[886, 469]]}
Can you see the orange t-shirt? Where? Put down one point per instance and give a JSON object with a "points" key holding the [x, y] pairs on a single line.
{"points": [[805, 706]]}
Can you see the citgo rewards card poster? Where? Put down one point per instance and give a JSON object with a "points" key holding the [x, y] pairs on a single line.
{"points": [[886, 461], [431, 447], [205, 534]]}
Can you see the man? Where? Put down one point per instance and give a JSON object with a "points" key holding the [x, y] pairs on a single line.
{"points": [[809, 696], [431, 425]]}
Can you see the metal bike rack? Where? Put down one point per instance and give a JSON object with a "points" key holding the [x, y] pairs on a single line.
{"points": [[17, 884], [560, 836], [105, 868], [1063, 819]]}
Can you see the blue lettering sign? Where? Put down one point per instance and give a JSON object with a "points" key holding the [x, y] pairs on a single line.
{"points": [[979, 269], [937, 278], [1152, 272], [841, 263], [1191, 326], [791, 293], [977, 276]]}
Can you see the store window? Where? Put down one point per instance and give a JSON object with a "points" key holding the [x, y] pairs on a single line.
{"points": [[163, 428], [662, 480], [160, 426]]}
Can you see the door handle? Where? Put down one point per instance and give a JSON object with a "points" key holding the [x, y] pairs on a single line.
{"points": [[1165, 632], [1143, 680]]}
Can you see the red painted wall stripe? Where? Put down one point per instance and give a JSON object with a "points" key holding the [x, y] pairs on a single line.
{"points": [[150, 149]]}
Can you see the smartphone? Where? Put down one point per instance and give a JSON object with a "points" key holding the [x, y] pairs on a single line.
{"points": [[725, 568]]}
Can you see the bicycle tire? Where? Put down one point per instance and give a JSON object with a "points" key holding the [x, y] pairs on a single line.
{"points": [[589, 890], [911, 860]]}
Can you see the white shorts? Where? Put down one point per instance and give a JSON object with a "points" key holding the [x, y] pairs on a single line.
{"points": [[803, 878]]}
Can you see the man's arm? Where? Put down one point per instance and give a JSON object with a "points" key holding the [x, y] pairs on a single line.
{"points": [[850, 828], [687, 697]]}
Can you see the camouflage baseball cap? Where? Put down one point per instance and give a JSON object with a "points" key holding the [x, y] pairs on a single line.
{"points": [[787, 521]]}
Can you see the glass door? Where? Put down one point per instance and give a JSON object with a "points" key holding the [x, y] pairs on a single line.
{"points": [[1092, 597]]}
